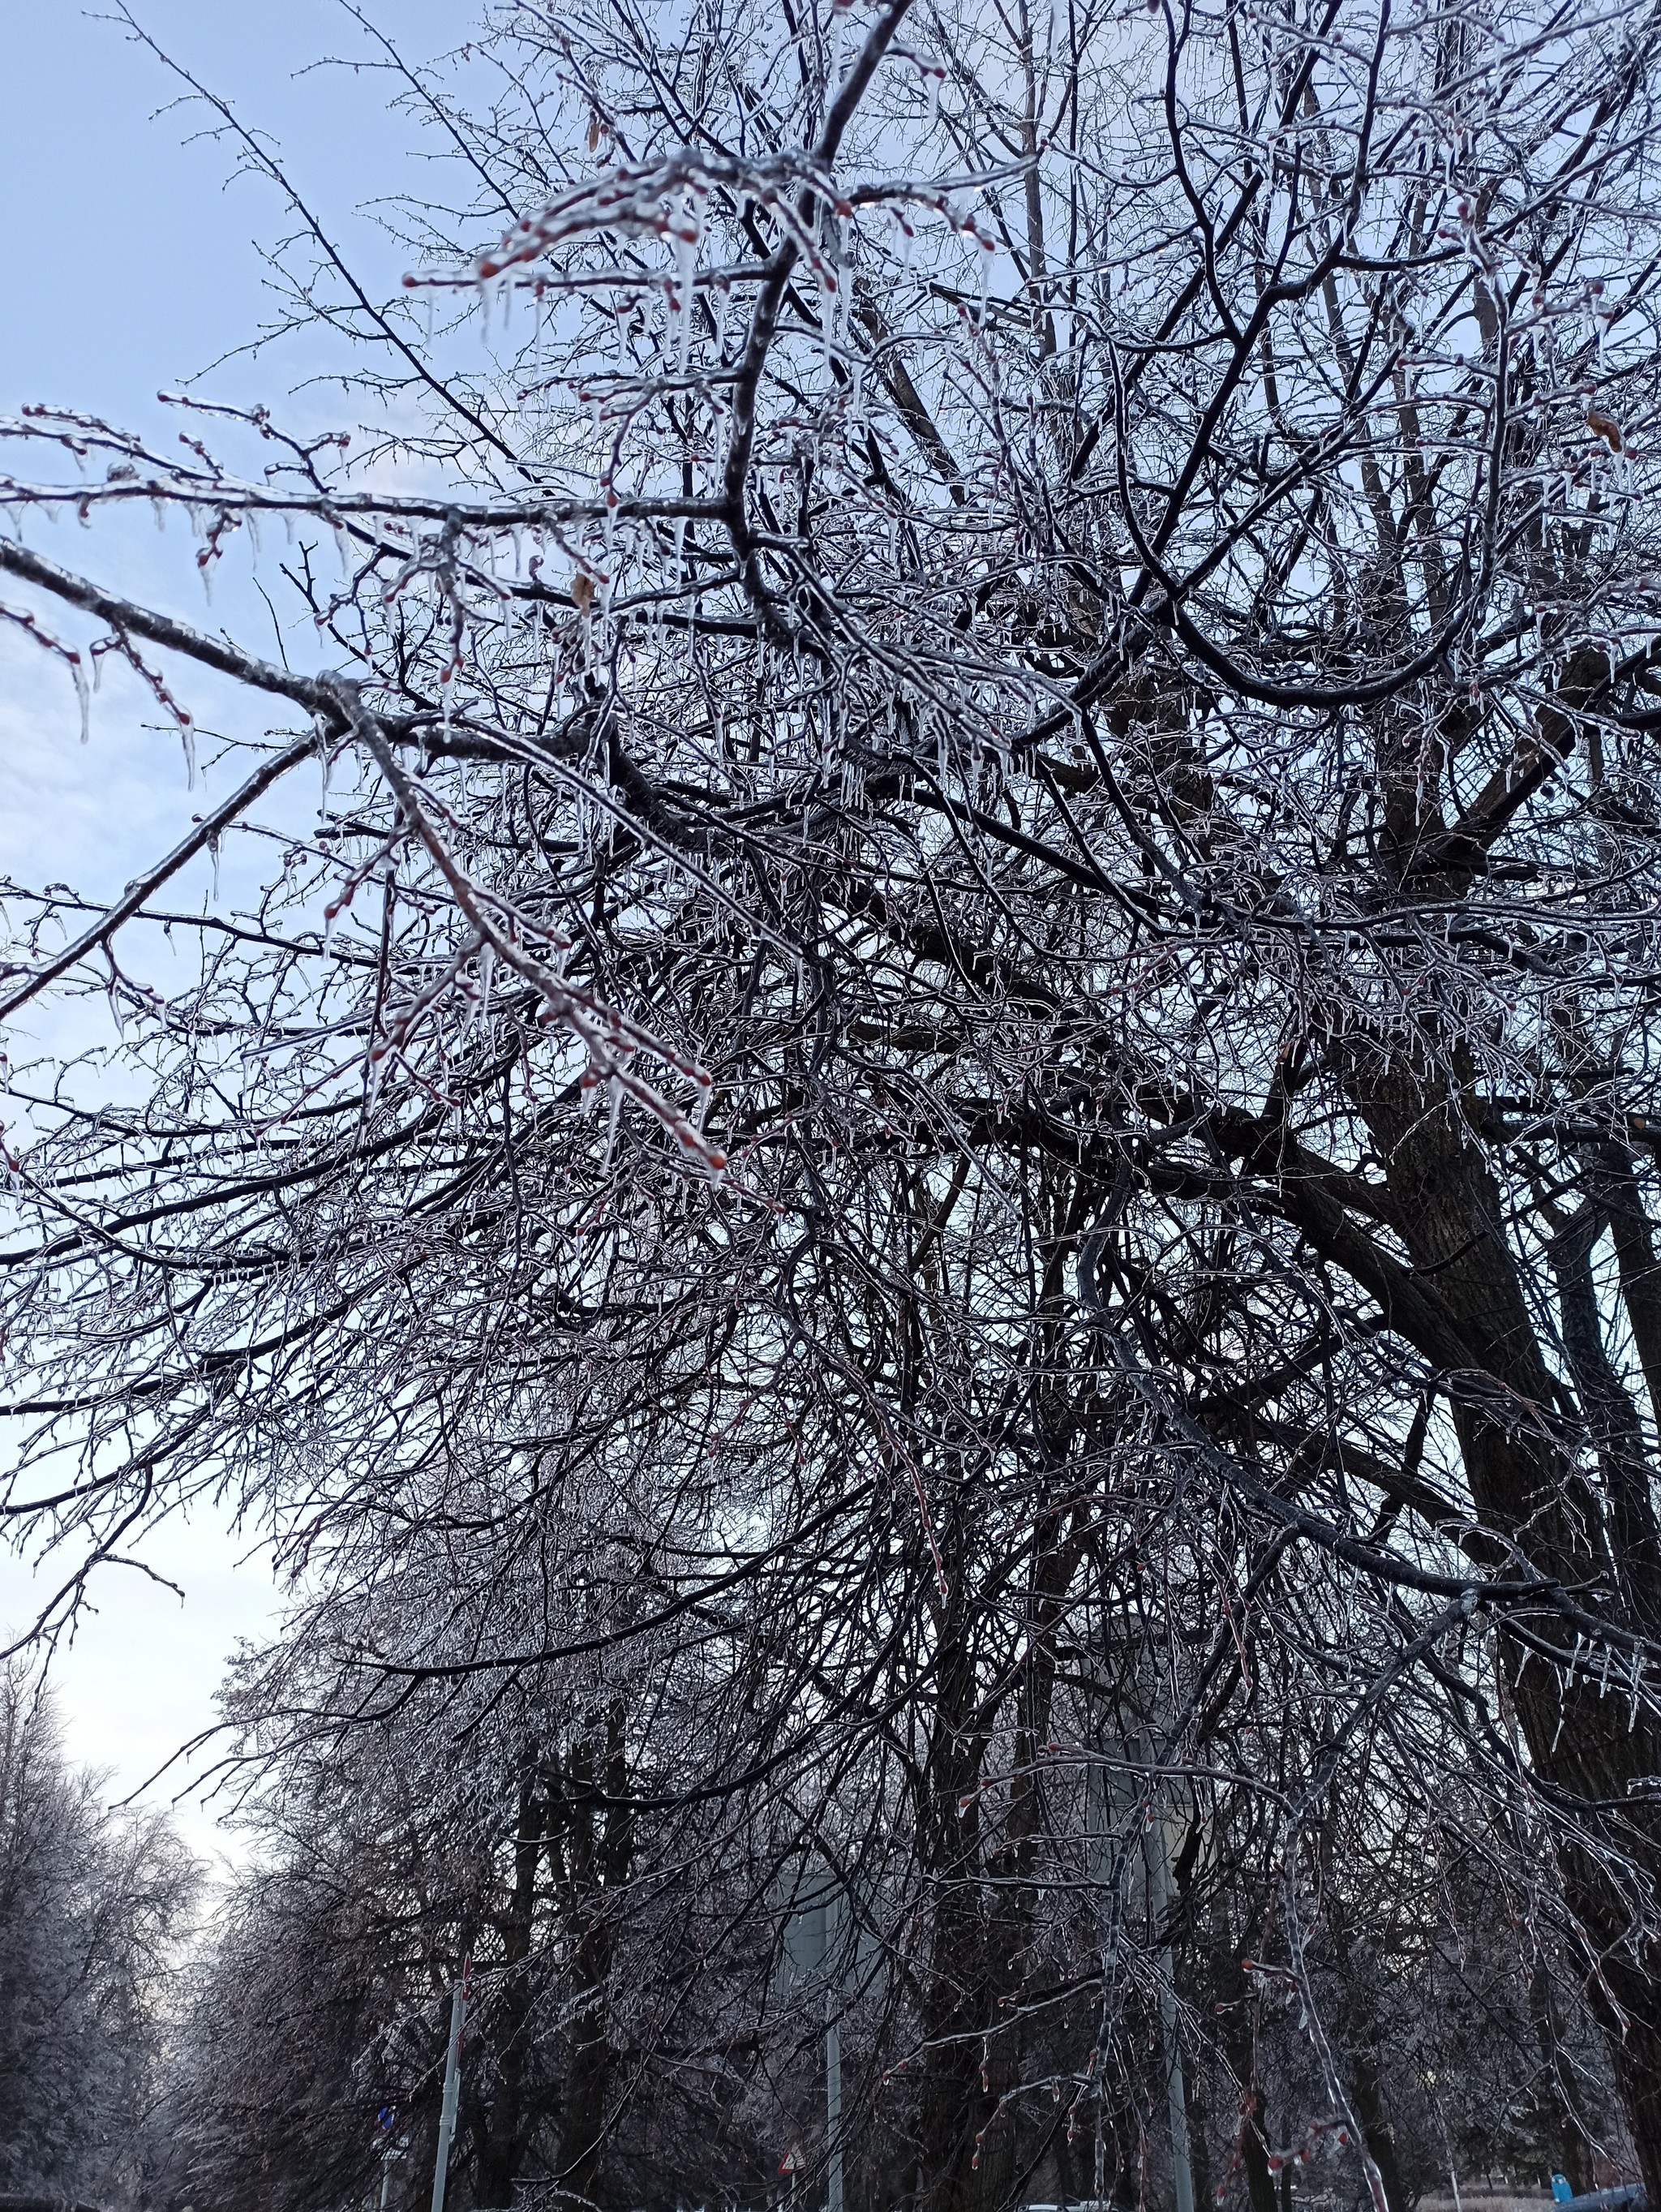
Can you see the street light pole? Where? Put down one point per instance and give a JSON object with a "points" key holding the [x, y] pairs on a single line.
{"points": [[813, 1942], [1159, 1882], [452, 2090], [834, 2100]]}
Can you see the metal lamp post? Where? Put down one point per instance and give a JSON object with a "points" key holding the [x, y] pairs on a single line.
{"points": [[811, 1939], [452, 2088]]}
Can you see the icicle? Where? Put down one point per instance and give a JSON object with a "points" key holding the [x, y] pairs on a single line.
{"points": [[686, 263], [343, 551], [83, 697], [678, 533], [187, 740], [836, 68], [213, 848]]}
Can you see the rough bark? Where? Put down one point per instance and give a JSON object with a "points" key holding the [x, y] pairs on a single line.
{"points": [[1528, 1493], [599, 1854]]}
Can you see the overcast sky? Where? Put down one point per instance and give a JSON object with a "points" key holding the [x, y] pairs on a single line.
{"points": [[127, 265]]}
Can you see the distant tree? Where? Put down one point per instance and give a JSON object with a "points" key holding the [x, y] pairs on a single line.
{"points": [[281, 2061], [92, 1905], [484, 1835]]}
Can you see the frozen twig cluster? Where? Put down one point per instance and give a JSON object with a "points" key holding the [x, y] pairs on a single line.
{"points": [[1038, 654]]}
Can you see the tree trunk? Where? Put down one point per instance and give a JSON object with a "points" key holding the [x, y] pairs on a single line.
{"points": [[598, 1860], [1233, 2002], [956, 2103], [1562, 2114], [1366, 2093], [1583, 1745], [502, 2146]]}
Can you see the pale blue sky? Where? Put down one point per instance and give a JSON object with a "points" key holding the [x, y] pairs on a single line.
{"points": [[126, 265]]}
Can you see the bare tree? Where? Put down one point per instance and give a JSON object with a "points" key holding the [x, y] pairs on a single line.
{"points": [[1028, 652]]}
